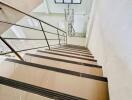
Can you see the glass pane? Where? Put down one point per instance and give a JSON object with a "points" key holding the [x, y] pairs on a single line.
{"points": [[76, 1], [59, 1], [67, 1]]}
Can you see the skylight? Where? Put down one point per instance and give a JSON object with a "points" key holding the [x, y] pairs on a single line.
{"points": [[68, 1]]}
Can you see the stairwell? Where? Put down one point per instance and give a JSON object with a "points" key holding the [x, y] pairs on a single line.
{"points": [[62, 72]]}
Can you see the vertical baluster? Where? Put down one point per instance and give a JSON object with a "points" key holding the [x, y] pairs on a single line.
{"points": [[44, 34]]}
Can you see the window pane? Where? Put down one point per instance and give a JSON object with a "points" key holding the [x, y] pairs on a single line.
{"points": [[59, 1], [76, 1], [67, 1]]}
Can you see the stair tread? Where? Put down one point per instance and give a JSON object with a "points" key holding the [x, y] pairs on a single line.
{"points": [[10, 93], [64, 55], [76, 56], [73, 85], [60, 70], [74, 50], [75, 46], [73, 53], [65, 65], [15, 90], [66, 58]]}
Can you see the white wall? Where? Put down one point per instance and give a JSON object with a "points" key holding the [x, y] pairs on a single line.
{"points": [[110, 41]]}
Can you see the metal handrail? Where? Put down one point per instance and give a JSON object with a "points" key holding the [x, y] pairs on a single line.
{"points": [[27, 49], [26, 39], [42, 29], [31, 16], [12, 49], [29, 28]]}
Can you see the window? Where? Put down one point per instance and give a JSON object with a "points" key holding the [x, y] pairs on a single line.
{"points": [[68, 1]]}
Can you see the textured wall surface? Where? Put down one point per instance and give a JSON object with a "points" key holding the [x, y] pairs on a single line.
{"points": [[110, 41]]}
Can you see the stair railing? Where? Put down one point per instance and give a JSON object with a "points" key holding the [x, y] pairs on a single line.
{"points": [[41, 22]]}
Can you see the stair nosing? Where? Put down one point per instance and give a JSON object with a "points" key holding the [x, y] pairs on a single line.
{"points": [[71, 53], [37, 90], [85, 54], [64, 60], [66, 55], [72, 50], [59, 70]]}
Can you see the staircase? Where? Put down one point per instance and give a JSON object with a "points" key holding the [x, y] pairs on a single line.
{"points": [[54, 72], [63, 73]]}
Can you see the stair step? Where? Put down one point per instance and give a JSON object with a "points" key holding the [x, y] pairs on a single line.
{"points": [[68, 84], [74, 52], [71, 55], [85, 50], [65, 65], [61, 54], [67, 58], [75, 46], [64, 60], [15, 90], [81, 55], [75, 73]]}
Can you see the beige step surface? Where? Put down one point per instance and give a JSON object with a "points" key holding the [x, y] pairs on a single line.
{"points": [[77, 86], [73, 53], [75, 46], [65, 65], [83, 57], [9, 93], [65, 55], [70, 51], [66, 58]]}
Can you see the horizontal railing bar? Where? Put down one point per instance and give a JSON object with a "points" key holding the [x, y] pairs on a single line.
{"points": [[31, 16], [20, 25], [27, 49], [54, 33], [26, 39], [28, 27]]}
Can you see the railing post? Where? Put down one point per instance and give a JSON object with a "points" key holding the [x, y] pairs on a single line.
{"points": [[59, 37], [44, 34], [12, 49], [66, 37]]}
